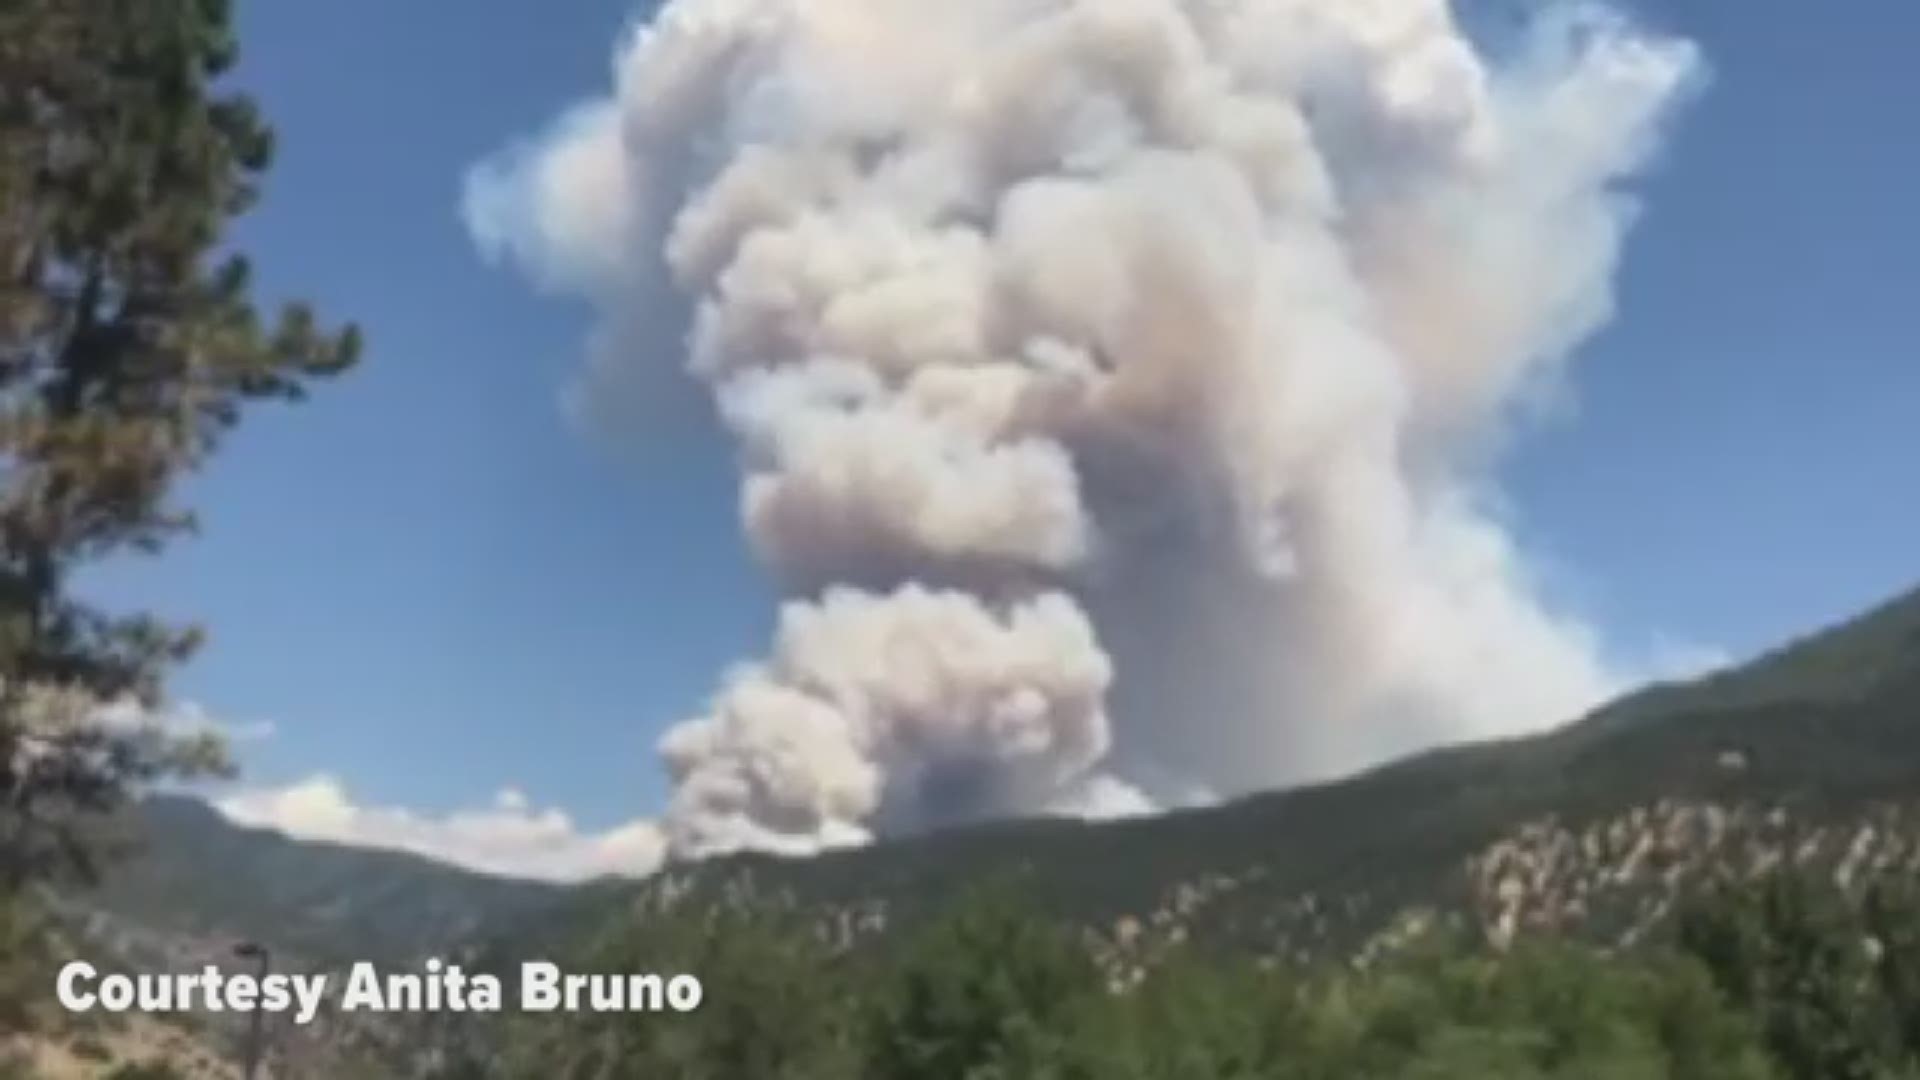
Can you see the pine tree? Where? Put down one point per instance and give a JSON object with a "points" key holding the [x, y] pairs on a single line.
{"points": [[129, 343]]}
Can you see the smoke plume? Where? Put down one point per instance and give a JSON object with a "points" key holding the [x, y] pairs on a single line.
{"points": [[1114, 382]]}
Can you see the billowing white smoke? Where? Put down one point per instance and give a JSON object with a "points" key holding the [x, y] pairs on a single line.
{"points": [[879, 708], [1112, 379]]}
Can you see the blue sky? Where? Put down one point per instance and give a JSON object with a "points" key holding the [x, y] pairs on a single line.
{"points": [[434, 586]]}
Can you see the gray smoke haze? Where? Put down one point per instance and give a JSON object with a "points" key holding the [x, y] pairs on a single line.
{"points": [[1113, 381]]}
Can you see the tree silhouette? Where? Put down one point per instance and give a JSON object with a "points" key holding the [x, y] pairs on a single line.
{"points": [[129, 343]]}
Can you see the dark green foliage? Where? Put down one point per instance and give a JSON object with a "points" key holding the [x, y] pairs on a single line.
{"points": [[26, 962], [1830, 984], [1232, 1021], [150, 1070], [976, 993], [129, 342], [775, 1006], [1545, 1010], [1892, 918], [988, 991]]}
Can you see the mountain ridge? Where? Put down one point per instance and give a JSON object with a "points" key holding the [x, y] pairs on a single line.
{"points": [[1820, 728], [1807, 757]]}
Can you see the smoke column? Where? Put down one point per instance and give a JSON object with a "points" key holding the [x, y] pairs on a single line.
{"points": [[1114, 381]]}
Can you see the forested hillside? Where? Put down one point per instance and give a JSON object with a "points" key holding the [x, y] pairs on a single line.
{"points": [[1801, 768]]}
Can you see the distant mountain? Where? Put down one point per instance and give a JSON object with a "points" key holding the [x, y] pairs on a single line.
{"points": [[1808, 755], [196, 884], [195, 875]]}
